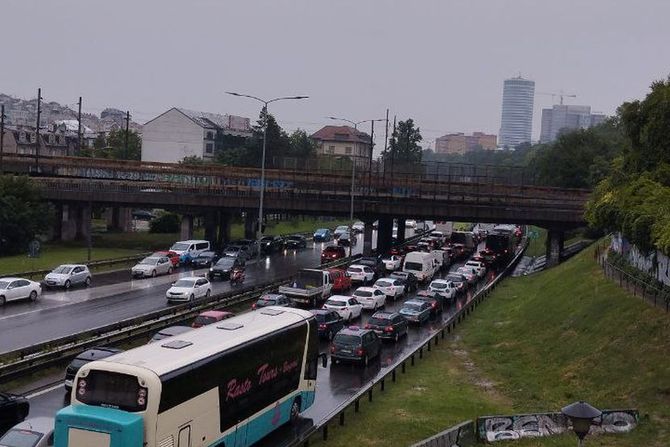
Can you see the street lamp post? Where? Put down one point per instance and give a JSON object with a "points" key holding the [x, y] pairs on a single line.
{"points": [[259, 233], [353, 173], [581, 415]]}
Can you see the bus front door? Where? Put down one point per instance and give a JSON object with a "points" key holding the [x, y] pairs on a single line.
{"points": [[184, 436]]}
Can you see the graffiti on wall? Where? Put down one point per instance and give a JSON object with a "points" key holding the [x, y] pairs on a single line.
{"points": [[655, 263], [498, 428]]}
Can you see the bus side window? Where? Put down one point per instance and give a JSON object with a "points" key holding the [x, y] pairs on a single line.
{"points": [[312, 352]]}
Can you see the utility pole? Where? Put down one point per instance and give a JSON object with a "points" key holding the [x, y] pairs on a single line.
{"points": [[125, 142], [37, 131], [2, 137], [386, 142], [372, 148], [78, 152], [396, 142]]}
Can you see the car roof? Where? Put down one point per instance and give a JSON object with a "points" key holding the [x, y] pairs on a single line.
{"points": [[40, 424], [339, 297], [272, 296], [193, 278], [97, 353], [441, 281], [353, 330], [384, 314], [360, 266], [12, 278], [215, 313], [365, 289], [322, 311], [71, 265], [413, 301]]}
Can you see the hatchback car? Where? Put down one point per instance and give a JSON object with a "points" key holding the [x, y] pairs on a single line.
{"points": [[392, 262], [169, 331], [205, 259], [410, 280], [388, 325], [272, 299], [332, 253], [435, 301], [223, 267], [209, 317], [391, 287], [295, 241], [479, 267], [329, 322], [339, 231], [444, 287], [355, 344], [322, 235], [152, 266], [346, 306], [250, 246], [346, 240], [85, 357], [13, 409], [416, 311], [171, 255], [459, 281], [339, 280], [370, 297], [469, 273], [33, 432], [188, 288], [68, 275], [361, 273], [237, 252], [375, 263], [12, 289]]}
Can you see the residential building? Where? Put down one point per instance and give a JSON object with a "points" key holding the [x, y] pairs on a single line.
{"points": [[517, 111], [459, 143], [180, 133], [23, 140], [344, 141], [561, 118]]}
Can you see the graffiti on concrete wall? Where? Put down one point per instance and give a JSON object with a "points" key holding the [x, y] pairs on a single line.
{"points": [[498, 428], [655, 263]]}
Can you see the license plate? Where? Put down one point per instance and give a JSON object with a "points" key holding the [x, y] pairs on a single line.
{"points": [[345, 351]]}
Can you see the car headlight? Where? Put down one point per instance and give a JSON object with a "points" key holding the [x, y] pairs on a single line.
{"points": [[211, 269]]}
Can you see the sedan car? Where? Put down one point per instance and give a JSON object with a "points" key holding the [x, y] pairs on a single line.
{"points": [[375, 263], [13, 409], [330, 323], [459, 281], [332, 253], [152, 266], [271, 244], [322, 235], [432, 299], [391, 287], [97, 353], [188, 288], [392, 262], [355, 344], [12, 289], [236, 251], [68, 275], [389, 325], [416, 311], [410, 281], [339, 231], [209, 317], [33, 432], [444, 287], [205, 259], [469, 273], [272, 299], [250, 246], [170, 331], [223, 267], [295, 241], [361, 273], [346, 306], [370, 297], [171, 255], [346, 240]]}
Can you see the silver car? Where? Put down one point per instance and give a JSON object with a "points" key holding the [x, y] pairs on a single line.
{"points": [[152, 266], [33, 432], [67, 275]]}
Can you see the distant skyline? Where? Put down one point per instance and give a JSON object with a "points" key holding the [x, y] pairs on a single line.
{"points": [[441, 63]]}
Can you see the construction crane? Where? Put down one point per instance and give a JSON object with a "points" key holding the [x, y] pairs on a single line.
{"points": [[560, 94]]}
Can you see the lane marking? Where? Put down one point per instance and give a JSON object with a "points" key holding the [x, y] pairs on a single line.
{"points": [[45, 391]]}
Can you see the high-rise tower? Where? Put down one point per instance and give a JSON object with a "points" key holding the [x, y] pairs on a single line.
{"points": [[517, 111]]}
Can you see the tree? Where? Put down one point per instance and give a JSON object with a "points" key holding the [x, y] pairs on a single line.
{"points": [[192, 160], [301, 145], [23, 214], [166, 223], [116, 145], [404, 143]]}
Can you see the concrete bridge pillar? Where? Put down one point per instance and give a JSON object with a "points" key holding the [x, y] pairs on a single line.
{"points": [[555, 240], [186, 231], [402, 228], [119, 219], [250, 224], [367, 238], [82, 218], [384, 234], [223, 235], [211, 223], [68, 223]]}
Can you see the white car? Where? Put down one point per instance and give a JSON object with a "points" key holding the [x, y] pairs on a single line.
{"points": [[188, 288], [478, 266], [340, 230], [391, 287], [67, 275], [358, 227], [392, 263], [152, 266], [33, 432], [18, 289], [360, 273], [443, 287], [347, 307], [370, 297]]}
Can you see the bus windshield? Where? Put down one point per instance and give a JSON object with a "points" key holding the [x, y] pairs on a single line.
{"points": [[112, 390]]}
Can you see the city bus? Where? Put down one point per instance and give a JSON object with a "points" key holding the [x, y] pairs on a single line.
{"points": [[226, 384]]}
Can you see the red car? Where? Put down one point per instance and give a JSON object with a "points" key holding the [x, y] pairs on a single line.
{"points": [[341, 282], [332, 253], [209, 317], [174, 257]]}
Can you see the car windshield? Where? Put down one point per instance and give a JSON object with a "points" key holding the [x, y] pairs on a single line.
{"points": [[3, 284], [180, 247], [383, 284], [233, 249], [415, 307], [347, 340], [225, 262], [379, 321], [413, 266], [204, 320], [399, 275], [20, 438], [267, 239], [456, 278], [363, 293], [206, 254], [266, 302], [320, 318], [354, 269], [184, 283], [331, 250], [439, 285], [335, 303], [342, 228], [149, 261], [294, 238], [320, 231], [62, 269]]}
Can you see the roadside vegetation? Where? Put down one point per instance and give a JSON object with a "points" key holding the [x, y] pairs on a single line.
{"points": [[538, 343]]}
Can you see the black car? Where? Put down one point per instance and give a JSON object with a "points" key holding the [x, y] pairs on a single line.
{"points": [[271, 244], [388, 325], [224, 266], [375, 263], [85, 357], [295, 241], [13, 409], [272, 299], [330, 322], [410, 280], [250, 246], [205, 259], [459, 281], [355, 344]]}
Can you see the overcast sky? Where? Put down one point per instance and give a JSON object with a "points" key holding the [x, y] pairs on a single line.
{"points": [[441, 62]]}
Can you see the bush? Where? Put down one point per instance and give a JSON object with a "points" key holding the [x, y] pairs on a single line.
{"points": [[167, 223]]}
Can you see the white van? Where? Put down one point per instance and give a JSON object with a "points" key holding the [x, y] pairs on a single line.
{"points": [[423, 265], [188, 250]]}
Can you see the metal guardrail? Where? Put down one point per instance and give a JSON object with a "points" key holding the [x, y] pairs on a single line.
{"points": [[540, 262], [401, 364]]}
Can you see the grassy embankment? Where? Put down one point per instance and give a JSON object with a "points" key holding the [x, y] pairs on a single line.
{"points": [[539, 343]]}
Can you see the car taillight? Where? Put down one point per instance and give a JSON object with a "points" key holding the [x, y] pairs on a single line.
{"points": [[360, 351], [332, 349], [322, 326], [253, 306], [388, 329], [433, 304], [367, 326]]}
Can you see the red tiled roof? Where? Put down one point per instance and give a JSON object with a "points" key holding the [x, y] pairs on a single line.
{"points": [[341, 133]]}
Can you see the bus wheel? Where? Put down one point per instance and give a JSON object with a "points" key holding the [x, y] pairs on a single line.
{"points": [[295, 411]]}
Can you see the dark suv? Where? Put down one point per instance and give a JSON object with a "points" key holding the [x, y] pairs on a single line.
{"points": [[355, 344], [409, 279], [13, 409], [375, 263], [388, 325], [85, 357], [271, 244], [223, 267], [330, 323]]}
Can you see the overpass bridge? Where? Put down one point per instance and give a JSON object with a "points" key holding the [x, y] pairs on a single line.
{"points": [[216, 192]]}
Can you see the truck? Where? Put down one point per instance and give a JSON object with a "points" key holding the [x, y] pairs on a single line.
{"points": [[464, 238], [499, 247], [310, 288]]}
